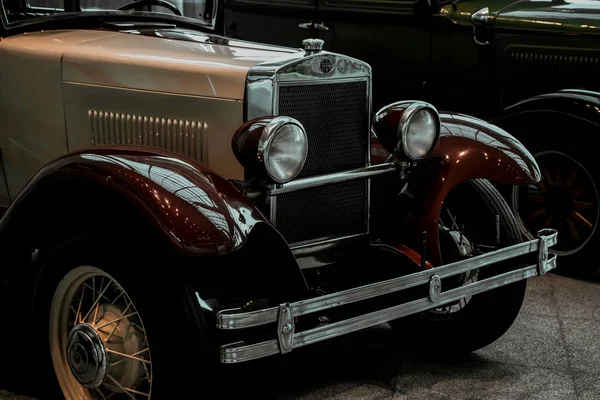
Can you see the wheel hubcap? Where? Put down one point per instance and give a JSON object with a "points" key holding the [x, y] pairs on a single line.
{"points": [[98, 341], [86, 356]]}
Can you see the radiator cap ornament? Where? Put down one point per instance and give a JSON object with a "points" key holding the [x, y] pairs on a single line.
{"points": [[312, 46]]}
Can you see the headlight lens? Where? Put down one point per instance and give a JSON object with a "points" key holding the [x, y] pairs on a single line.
{"points": [[419, 130], [421, 134], [283, 148]]}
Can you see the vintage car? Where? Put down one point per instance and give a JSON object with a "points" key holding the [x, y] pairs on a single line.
{"points": [[530, 67], [178, 201]]}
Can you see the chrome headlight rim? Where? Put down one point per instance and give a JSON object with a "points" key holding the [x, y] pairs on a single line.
{"points": [[405, 119], [266, 139]]}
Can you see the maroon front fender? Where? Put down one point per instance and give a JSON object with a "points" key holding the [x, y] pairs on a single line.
{"points": [[469, 148], [473, 148], [197, 210]]}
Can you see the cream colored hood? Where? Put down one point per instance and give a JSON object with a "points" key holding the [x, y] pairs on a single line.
{"points": [[165, 65], [57, 82], [190, 65]]}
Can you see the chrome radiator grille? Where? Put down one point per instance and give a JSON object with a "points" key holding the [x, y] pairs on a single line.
{"points": [[336, 122], [336, 119], [335, 210]]}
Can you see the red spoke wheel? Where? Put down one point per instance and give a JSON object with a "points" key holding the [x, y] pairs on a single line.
{"points": [[566, 199]]}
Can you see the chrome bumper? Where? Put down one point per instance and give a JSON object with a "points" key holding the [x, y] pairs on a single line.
{"points": [[287, 339]]}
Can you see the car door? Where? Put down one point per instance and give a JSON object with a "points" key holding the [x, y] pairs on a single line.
{"points": [[279, 22], [541, 47], [388, 35]]}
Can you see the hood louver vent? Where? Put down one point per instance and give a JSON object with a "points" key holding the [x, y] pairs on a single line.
{"points": [[179, 136], [553, 60]]}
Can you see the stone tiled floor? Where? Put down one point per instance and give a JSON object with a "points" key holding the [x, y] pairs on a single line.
{"points": [[551, 352]]}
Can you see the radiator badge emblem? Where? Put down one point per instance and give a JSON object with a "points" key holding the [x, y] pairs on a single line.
{"points": [[326, 65]]}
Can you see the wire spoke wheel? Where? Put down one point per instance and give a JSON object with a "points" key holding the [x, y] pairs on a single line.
{"points": [[98, 342], [474, 219], [566, 199], [457, 246]]}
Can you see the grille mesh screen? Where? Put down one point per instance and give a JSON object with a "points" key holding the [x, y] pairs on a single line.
{"points": [[336, 122], [335, 116], [330, 210]]}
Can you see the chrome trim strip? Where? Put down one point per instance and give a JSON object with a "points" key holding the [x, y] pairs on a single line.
{"points": [[324, 244], [259, 99], [272, 201], [235, 352], [324, 81], [319, 180], [368, 213], [233, 319], [369, 116], [231, 354]]}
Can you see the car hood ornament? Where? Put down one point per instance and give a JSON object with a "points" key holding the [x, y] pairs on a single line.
{"points": [[312, 46]]}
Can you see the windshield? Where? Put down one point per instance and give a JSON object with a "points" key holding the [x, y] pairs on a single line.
{"points": [[18, 11]]}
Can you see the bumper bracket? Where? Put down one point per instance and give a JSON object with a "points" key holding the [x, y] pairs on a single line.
{"points": [[286, 328]]}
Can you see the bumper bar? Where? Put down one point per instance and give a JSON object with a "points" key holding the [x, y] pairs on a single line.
{"points": [[288, 339], [359, 173]]}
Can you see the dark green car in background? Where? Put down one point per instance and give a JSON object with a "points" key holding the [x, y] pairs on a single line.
{"points": [[531, 67]]}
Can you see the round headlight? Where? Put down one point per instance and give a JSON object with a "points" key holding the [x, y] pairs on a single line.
{"points": [[283, 148], [418, 130]]}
